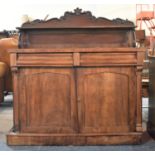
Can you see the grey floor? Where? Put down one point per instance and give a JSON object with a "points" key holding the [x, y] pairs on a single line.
{"points": [[6, 124]]}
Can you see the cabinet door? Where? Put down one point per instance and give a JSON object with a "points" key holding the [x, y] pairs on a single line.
{"points": [[106, 99], [47, 100]]}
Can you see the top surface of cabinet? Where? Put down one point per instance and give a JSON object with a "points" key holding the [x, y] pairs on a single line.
{"points": [[77, 29]]}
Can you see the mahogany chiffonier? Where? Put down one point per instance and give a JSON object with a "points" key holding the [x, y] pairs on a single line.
{"points": [[77, 81]]}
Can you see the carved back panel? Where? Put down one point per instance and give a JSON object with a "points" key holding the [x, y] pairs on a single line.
{"points": [[77, 29]]}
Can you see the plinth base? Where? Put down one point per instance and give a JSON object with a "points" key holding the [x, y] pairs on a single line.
{"points": [[14, 138]]}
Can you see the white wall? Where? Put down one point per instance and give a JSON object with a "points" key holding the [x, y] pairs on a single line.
{"points": [[11, 11]]}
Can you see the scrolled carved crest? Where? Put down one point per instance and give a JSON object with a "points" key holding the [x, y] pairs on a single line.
{"points": [[78, 19]]}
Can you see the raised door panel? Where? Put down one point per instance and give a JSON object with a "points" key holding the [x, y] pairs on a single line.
{"points": [[47, 100], [106, 100]]}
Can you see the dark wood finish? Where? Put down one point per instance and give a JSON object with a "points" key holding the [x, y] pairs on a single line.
{"points": [[80, 91], [74, 139], [98, 112], [57, 38], [78, 19], [77, 29], [87, 101], [58, 117]]}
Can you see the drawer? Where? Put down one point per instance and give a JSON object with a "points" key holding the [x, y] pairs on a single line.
{"points": [[72, 58], [50, 59], [102, 59]]}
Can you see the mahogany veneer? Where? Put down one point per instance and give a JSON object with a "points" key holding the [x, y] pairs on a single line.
{"points": [[77, 80]]}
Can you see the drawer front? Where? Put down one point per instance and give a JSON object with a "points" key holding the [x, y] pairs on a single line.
{"points": [[75, 59], [102, 59], [54, 59]]}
